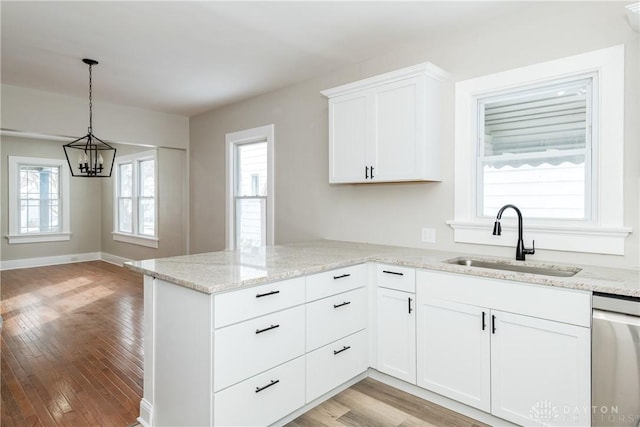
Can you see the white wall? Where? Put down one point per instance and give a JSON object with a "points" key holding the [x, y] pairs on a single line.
{"points": [[308, 207]]}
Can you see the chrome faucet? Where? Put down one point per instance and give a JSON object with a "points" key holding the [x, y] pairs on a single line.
{"points": [[521, 251]]}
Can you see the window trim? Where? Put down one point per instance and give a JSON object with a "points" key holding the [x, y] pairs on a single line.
{"points": [[606, 233], [258, 134], [14, 235], [134, 237]]}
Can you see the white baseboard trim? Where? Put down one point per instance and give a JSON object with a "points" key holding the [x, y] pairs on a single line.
{"points": [[146, 413], [13, 264], [113, 259]]}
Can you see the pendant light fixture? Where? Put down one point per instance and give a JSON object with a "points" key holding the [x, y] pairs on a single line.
{"points": [[89, 156]]}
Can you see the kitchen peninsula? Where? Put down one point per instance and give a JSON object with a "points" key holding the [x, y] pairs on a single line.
{"points": [[282, 328]]}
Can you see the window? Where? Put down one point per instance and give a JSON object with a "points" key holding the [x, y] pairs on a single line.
{"points": [[549, 139], [250, 188], [534, 151], [135, 203], [38, 200]]}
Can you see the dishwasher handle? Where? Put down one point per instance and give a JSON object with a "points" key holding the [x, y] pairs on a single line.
{"points": [[610, 316]]}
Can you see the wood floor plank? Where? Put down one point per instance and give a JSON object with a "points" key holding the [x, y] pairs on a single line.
{"points": [[71, 346]]}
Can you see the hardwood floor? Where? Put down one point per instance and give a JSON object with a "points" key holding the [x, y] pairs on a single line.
{"points": [[71, 345], [374, 404]]}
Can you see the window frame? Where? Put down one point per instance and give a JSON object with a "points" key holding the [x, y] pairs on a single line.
{"points": [[64, 234], [232, 140], [134, 237], [605, 233]]}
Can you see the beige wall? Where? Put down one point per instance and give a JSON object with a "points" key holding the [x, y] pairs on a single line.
{"points": [[85, 205], [308, 207]]}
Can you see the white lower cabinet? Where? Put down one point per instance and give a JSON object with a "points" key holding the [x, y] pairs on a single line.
{"points": [[524, 369], [336, 363], [540, 371], [454, 351], [263, 399], [396, 334]]}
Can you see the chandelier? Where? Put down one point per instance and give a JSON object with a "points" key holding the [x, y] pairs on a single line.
{"points": [[89, 156]]}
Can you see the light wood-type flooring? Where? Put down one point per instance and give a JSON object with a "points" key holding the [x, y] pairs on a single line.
{"points": [[71, 355], [371, 403]]}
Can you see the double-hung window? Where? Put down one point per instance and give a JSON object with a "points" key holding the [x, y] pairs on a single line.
{"points": [[38, 200], [135, 199], [250, 188]]}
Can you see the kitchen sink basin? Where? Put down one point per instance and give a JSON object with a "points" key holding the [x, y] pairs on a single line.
{"points": [[531, 269]]}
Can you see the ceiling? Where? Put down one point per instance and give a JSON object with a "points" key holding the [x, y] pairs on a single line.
{"points": [[189, 57]]}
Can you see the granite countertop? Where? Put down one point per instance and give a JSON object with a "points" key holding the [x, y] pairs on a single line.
{"points": [[217, 272]]}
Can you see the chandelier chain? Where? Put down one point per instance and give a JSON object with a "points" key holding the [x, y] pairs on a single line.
{"points": [[90, 101]]}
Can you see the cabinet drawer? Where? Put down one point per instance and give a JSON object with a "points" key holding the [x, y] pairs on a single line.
{"points": [[263, 399], [244, 304], [335, 281], [245, 349], [336, 363], [394, 277], [334, 317]]}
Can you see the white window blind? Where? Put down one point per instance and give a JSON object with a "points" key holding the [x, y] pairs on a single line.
{"points": [[535, 151]]}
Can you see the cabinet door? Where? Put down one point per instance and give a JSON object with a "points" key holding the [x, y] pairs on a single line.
{"points": [[540, 371], [397, 334], [399, 121], [349, 130], [454, 351]]}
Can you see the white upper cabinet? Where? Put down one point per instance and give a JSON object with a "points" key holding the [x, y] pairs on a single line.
{"points": [[388, 127]]}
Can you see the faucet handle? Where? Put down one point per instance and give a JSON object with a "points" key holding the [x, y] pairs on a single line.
{"points": [[532, 250]]}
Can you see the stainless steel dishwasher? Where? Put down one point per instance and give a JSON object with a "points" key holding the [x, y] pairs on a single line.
{"points": [[615, 361]]}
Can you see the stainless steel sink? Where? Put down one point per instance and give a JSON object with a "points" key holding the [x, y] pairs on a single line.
{"points": [[531, 269]]}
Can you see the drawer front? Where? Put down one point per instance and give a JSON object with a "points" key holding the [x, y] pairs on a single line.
{"points": [[336, 363], [248, 348], [334, 317], [545, 302], [244, 304], [394, 277], [322, 285], [263, 399]]}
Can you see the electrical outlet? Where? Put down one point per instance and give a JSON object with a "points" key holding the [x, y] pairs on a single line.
{"points": [[429, 235]]}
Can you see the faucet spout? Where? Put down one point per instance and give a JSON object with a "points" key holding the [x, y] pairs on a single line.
{"points": [[521, 251]]}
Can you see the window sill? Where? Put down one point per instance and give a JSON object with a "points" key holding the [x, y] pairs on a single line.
{"points": [[571, 238], [38, 238], [150, 242]]}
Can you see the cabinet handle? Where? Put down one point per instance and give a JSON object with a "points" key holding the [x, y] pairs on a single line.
{"points": [[393, 272], [259, 331], [273, 382], [493, 324], [371, 172], [366, 172], [341, 305], [341, 276], [266, 294], [409, 302], [344, 348], [484, 323]]}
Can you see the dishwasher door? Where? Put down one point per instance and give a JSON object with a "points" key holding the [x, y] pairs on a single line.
{"points": [[615, 369]]}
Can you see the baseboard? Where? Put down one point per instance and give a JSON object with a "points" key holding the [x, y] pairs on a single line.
{"points": [[13, 264], [146, 413], [113, 259]]}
